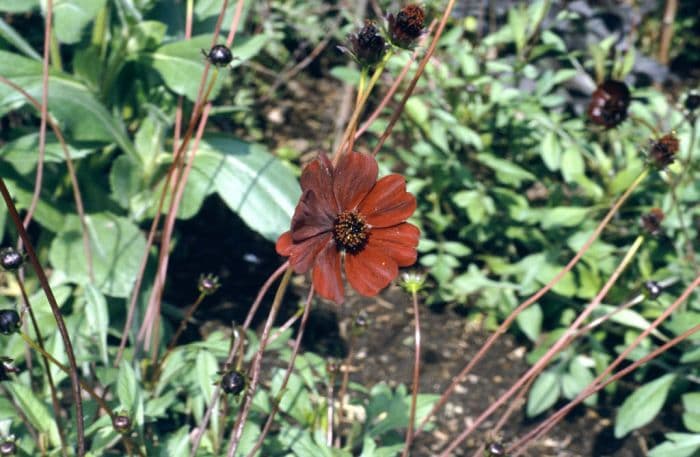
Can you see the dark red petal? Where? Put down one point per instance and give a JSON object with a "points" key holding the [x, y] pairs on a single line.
{"points": [[398, 242], [353, 178], [318, 176], [326, 275], [370, 270], [311, 217], [388, 203], [284, 244], [302, 255]]}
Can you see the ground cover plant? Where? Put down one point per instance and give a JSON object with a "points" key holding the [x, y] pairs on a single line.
{"points": [[187, 185]]}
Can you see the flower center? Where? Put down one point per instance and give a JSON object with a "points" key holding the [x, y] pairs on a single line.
{"points": [[350, 231]]}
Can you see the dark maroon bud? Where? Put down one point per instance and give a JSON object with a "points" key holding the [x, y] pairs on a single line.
{"points": [[663, 151], [652, 289], [6, 368], [692, 102], [495, 450], [208, 284], [332, 366], [8, 447], [366, 46], [233, 382], [651, 222], [407, 26], [609, 103], [9, 321], [11, 259], [219, 55], [121, 423]]}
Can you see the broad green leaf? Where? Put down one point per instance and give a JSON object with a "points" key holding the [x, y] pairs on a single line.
{"points": [[506, 171], [678, 445], [543, 394], [81, 116], [252, 182], [691, 415], [97, 318], [643, 405], [71, 16], [23, 153], [14, 38], [572, 165], [530, 321], [550, 149], [35, 411], [18, 6], [116, 246], [576, 379], [127, 386], [181, 63]]}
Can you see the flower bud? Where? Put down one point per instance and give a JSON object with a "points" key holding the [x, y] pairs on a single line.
{"points": [[412, 281], [407, 26], [651, 222], [233, 382], [8, 447], [652, 289], [208, 284], [692, 102], [495, 450], [9, 321], [663, 151], [219, 55], [367, 46], [609, 103], [6, 367], [10, 259], [121, 423]]}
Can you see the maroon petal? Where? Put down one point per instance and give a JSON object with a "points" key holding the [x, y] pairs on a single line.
{"points": [[326, 275], [370, 270], [388, 203], [284, 244], [398, 242], [311, 217], [303, 254], [318, 176], [353, 178]]}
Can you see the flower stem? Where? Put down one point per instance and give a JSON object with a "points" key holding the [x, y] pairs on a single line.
{"points": [[257, 363], [416, 376], [522, 306]]}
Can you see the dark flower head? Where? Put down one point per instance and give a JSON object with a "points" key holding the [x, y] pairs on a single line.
{"points": [[662, 152], [609, 103], [11, 259], [407, 26], [651, 222], [208, 284], [652, 289], [233, 382], [219, 55], [121, 423], [692, 101], [9, 321], [345, 214], [8, 446], [6, 368], [367, 46], [495, 450]]}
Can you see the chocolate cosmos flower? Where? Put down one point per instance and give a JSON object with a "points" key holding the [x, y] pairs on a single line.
{"points": [[345, 213]]}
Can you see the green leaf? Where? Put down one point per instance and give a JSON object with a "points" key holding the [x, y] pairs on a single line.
{"points": [[15, 39], [71, 16], [572, 165], [530, 322], [678, 445], [506, 171], [643, 405], [563, 216], [15, 6], [252, 182], [116, 244], [81, 116], [550, 150], [35, 410], [22, 152], [127, 386], [181, 63], [691, 415], [543, 394], [97, 318], [577, 379]]}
